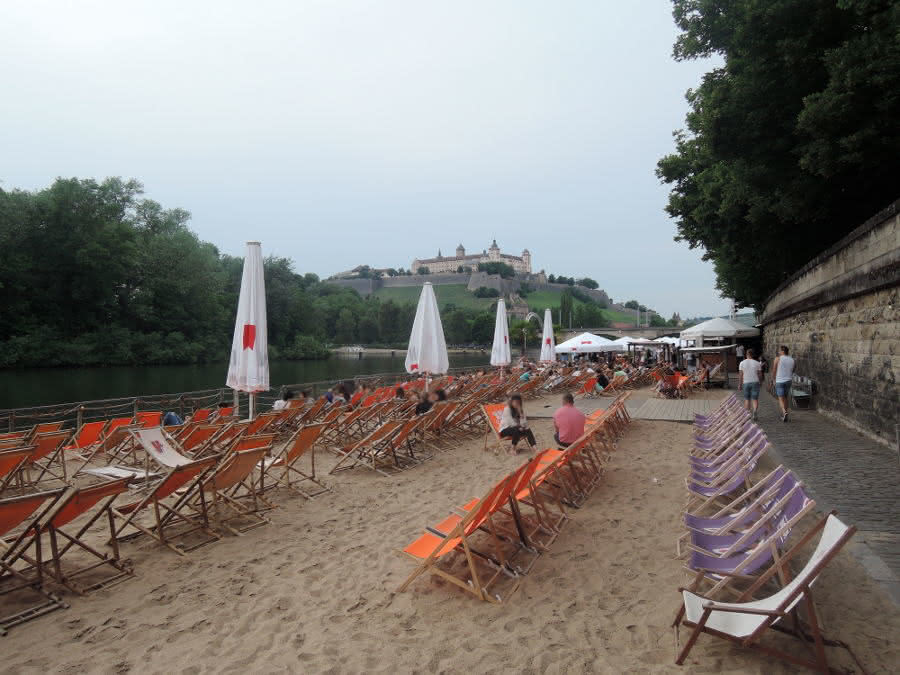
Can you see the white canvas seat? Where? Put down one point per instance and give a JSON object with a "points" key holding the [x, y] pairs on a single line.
{"points": [[746, 622]]}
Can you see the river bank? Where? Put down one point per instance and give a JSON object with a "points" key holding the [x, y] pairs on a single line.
{"points": [[23, 387]]}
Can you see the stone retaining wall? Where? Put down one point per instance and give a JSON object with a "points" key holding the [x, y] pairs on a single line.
{"points": [[840, 319]]}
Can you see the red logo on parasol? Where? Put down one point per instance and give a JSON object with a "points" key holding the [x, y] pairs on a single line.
{"points": [[414, 366], [249, 335], [504, 339], [547, 341]]}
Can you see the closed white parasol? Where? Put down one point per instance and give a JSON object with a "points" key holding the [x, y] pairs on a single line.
{"points": [[248, 369], [500, 355], [548, 342], [427, 351]]}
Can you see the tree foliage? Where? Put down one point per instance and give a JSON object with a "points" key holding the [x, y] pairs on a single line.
{"points": [[504, 270], [793, 141], [91, 273]]}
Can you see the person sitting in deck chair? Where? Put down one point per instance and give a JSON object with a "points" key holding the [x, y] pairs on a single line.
{"points": [[569, 422], [400, 393], [602, 382], [282, 403], [514, 424]]}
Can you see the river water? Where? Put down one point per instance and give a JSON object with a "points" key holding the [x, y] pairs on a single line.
{"points": [[45, 386]]}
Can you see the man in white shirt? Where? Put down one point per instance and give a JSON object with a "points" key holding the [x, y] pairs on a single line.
{"points": [[784, 375], [739, 352], [750, 377]]}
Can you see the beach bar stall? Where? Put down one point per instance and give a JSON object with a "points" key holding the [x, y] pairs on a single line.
{"points": [[712, 356]]}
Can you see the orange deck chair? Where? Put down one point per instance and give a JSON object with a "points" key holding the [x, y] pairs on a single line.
{"points": [[170, 513], [432, 548], [230, 488], [21, 574], [74, 503], [286, 462]]}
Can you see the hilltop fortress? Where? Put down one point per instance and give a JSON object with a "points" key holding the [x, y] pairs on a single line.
{"points": [[521, 264]]}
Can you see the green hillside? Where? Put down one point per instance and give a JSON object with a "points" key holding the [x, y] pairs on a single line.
{"points": [[455, 294], [538, 301]]}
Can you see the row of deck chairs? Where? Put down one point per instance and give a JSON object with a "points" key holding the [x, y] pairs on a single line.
{"points": [[735, 547], [133, 480], [679, 385], [488, 545]]}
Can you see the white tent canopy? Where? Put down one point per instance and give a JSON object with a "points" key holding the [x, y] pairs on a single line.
{"points": [[585, 343], [500, 355], [248, 369], [719, 328], [668, 339], [427, 351], [548, 341]]}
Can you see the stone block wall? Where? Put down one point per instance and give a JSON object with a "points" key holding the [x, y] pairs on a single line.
{"points": [[839, 317]]}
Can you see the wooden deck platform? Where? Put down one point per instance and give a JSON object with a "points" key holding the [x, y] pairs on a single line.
{"points": [[674, 410]]}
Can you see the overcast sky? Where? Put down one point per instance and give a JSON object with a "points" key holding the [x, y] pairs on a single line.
{"points": [[340, 133]]}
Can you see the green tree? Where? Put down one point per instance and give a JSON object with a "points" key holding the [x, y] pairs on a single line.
{"points": [[483, 328], [566, 308], [345, 329], [587, 282], [787, 143], [504, 270], [423, 270], [457, 328]]}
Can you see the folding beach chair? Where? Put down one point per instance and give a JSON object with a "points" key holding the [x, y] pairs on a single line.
{"points": [[231, 488], [287, 462], [47, 458], [71, 505], [432, 548], [20, 575], [747, 621], [171, 500], [11, 463], [201, 415], [493, 413], [370, 450], [87, 435], [148, 419]]}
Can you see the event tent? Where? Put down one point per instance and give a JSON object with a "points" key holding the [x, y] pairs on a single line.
{"points": [[585, 343], [719, 328]]}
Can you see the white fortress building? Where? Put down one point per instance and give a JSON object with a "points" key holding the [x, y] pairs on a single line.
{"points": [[521, 264]]}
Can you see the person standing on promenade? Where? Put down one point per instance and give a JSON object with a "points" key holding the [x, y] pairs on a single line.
{"points": [[750, 372], [739, 352], [784, 375]]}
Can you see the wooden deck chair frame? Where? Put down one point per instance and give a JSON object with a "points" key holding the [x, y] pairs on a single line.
{"points": [[182, 484], [456, 540], [11, 463], [231, 487], [801, 594], [366, 450], [286, 462], [72, 504], [49, 450], [24, 512]]}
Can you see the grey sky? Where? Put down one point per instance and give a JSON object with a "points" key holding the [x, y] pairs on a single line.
{"points": [[340, 133]]}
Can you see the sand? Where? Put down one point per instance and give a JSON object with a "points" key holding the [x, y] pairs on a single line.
{"points": [[314, 590]]}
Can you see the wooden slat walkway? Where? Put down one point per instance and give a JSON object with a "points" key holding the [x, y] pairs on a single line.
{"points": [[674, 410]]}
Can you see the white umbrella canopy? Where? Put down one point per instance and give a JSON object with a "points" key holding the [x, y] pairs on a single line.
{"points": [[548, 341], [619, 344], [427, 351], [719, 327], [500, 355], [248, 369], [583, 344]]}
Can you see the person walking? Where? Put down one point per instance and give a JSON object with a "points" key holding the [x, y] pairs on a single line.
{"points": [[750, 371], [784, 375], [739, 352]]}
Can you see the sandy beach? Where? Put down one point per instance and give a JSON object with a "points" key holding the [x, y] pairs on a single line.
{"points": [[314, 591]]}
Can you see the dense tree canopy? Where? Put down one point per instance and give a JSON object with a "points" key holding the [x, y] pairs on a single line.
{"points": [[792, 142], [92, 273]]}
